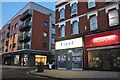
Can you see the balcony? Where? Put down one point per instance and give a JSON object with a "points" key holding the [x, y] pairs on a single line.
{"points": [[25, 26], [26, 38], [20, 38], [26, 15], [8, 26], [26, 46], [19, 47], [8, 33], [7, 43]]}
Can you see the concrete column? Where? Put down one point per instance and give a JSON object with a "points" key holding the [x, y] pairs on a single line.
{"points": [[31, 60]]}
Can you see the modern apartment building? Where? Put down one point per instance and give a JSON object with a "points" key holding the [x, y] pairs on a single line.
{"points": [[28, 38], [88, 35]]}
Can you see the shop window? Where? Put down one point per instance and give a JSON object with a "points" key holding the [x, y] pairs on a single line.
{"points": [[91, 4], [62, 31], [94, 59], [40, 58], [75, 27], [113, 17], [62, 13], [93, 23], [74, 9]]}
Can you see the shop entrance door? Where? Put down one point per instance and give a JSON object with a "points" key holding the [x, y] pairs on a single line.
{"points": [[69, 60], [106, 59]]}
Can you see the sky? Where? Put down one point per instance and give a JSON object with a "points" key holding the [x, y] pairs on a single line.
{"points": [[10, 9]]}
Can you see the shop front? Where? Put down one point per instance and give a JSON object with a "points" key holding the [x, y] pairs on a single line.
{"points": [[70, 54], [102, 50], [28, 58]]}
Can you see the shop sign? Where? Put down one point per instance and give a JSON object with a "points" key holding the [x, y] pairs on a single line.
{"points": [[66, 44], [103, 39]]}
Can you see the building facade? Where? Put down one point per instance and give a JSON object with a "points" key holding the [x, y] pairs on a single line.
{"points": [[28, 38], [88, 35]]}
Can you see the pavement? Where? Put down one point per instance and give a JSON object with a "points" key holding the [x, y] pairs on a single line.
{"points": [[78, 74]]}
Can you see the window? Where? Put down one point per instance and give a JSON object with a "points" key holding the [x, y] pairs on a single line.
{"points": [[62, 13], [45, 34], [16, 25], [93, 23], [12, 27], [62, 31], [74, 9], [11, 36], [10, 46], [45, 23], [44, 45], [75, 27], [53, 36], [14, 45], [91, 3], [15, 35], [113, 17]]}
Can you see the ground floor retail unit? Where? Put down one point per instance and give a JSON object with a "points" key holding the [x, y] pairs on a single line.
{"points": [[70, 54], [103, 50], [27, 58]]}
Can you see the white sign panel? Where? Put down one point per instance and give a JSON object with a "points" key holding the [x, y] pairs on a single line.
{"points": [[66, 44]]}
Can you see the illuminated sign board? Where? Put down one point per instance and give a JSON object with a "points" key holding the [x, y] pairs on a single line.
{"points": [[66, 44], [104, 39]]}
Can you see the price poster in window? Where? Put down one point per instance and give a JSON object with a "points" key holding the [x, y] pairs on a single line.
{"points": [[77, 58], [61, 58]]}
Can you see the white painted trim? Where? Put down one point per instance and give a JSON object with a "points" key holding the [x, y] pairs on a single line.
{"points": [[111, 7], [92, 13], [73, 1], [62, 23], [76, 69], [73, 19], [62, 68], [84, 14], [61, 7]]}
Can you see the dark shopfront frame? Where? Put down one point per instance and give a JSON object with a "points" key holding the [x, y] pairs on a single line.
{"points": [[31, 56], [70, 61], [100, 45]]}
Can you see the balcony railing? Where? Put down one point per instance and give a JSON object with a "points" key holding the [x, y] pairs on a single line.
{"points": [[8, 33], [26, 46], [20, 38], [24, 38], [24, 26], [26, 15], [19, 47]]}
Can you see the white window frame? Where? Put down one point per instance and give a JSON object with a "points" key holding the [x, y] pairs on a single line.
{"points": [[115, 17], [74, 28], [62, 14], [91, 2], [74, 8], [93, 23], [62, 30]]}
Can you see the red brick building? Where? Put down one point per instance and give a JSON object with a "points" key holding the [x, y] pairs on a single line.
{"points": [[88, 35], [28, 38]]}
